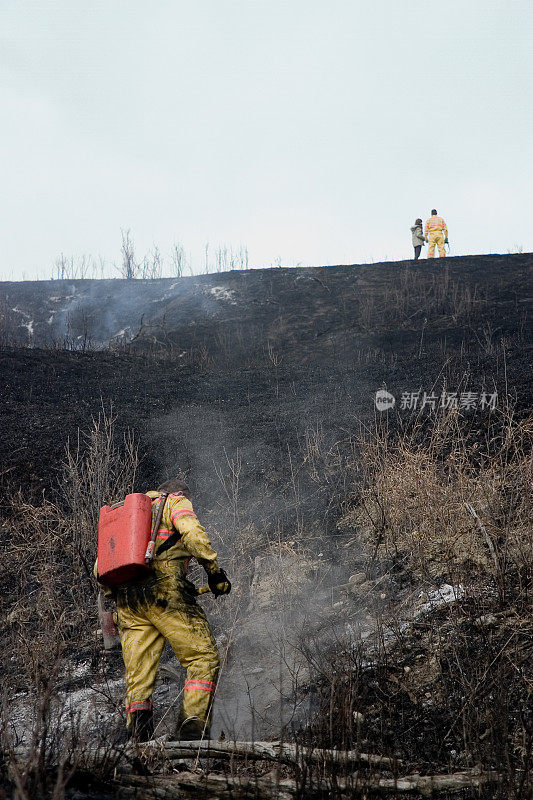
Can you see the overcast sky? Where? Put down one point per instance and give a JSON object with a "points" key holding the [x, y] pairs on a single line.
{"points": [[307, 130]]}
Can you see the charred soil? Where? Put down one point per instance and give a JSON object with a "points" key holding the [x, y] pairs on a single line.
{"points": [[342, 525]]}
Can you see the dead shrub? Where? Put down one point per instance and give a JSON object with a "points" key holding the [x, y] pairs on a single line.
{"points": [[97, 470], [441, 681], [419, 491], [49, 611]]}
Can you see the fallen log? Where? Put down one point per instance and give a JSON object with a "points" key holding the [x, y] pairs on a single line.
{"points": [[276, 751], [429, 784], [191, 784]]}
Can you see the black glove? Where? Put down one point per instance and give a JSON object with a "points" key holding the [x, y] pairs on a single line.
{"points": [[219, 582], [446, 241]]}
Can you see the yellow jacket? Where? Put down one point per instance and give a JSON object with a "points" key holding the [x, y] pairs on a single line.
{"points": [[436, 223], [181, 529]]}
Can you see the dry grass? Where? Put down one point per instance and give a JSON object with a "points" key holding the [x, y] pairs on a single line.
{"points": [[49, 611], [419, 490], [446, 682]]}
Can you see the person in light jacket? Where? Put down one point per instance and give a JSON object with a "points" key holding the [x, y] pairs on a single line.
{"points": [[418, 237]]}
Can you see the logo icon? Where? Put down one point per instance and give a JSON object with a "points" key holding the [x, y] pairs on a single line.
{"points": [[384, 400]]}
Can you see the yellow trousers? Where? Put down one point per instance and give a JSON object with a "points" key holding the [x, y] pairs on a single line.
{"points": [[144, 627], [436, 238]]}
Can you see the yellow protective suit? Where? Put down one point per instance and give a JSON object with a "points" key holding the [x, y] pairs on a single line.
{"points": [[436, 232], [162, 606]]}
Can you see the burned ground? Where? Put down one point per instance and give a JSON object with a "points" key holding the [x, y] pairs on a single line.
{"points": [[256, 356], [259, 387]]}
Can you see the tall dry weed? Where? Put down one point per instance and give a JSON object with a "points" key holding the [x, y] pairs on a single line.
{"points": [[49, 617], [421, 488]]}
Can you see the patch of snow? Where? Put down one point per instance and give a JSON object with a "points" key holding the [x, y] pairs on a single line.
{"points": [[87, 708], [81, 670], [60, 299], [28, 325], [91, 694], [122, 332], [19, 311], [222, 293], [426, 603], [442, 596], [91, 705]]}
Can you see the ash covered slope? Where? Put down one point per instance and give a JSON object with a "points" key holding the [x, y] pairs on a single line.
{"points": [[301, 310], [253, 360]]}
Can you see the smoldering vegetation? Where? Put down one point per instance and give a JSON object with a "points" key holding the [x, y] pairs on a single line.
{"points": [[407, 635], [239, 317]]}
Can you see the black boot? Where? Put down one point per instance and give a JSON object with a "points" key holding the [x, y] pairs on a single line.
{"points": [[141, 727], [192, 730]]}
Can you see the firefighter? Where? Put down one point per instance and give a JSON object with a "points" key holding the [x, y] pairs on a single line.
{"points": [[436, 233], [162, 606]]}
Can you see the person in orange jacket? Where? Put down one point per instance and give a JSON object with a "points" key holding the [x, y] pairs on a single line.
{"points": [[436, 232]]}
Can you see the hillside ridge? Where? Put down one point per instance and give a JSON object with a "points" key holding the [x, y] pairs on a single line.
{"points": [[187, 311]]}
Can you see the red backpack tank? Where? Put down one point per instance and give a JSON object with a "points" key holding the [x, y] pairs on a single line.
{"points": [[123, 534]]}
